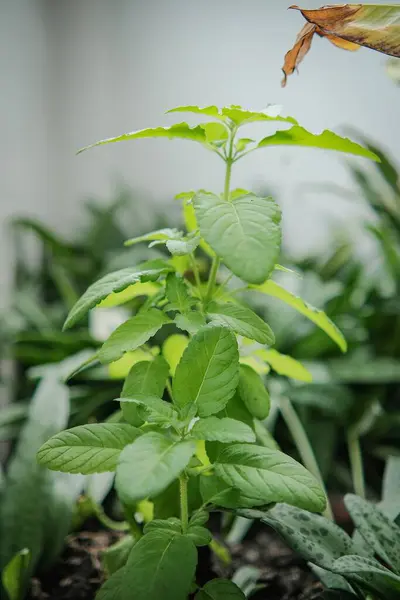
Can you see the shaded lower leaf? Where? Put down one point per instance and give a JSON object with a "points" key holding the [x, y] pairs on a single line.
{"points": [[220, 589], [112, 589], [160, 565], [146, 467], [14, 573], [215, 491], [114, 557], [199, 535], [253, 392]]}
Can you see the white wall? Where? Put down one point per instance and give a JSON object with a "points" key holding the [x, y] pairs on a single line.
{"points": [[81, 70]]}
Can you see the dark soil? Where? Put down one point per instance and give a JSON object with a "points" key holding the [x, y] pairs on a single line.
{"points": [[78, 574]]}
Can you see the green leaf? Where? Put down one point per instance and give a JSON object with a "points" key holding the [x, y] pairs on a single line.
{"points": [[132, 334], [173, 348], [114, 557], [178, 294], [236, 113], [191, 322], [220, 589], [199, 535], [14, 574], [317, 539], [112, 283], [146, 467], [216, 492], [207, 374], [87, 448], [369, 574], [380, 533], [264, 476], [153, 409], [112, 589], [285, 365], [161, 565], [390, 504], [240, 232], [327, 140], [241, 320], [145, 377], [29, 497], [179, 130], [223, 430], [242, 144], [253, 392], [271, 288], [158, 235], [183, 246], [173, 525]]}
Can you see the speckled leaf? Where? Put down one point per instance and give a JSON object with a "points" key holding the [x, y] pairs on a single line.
{"points": [[87, 449], [265, 476], [207, 374], [318, 317], [220, 589], [379, 532], [241, 320], [132, 334], [114, 282], [369, 574], [317, 539], [245, 233]]}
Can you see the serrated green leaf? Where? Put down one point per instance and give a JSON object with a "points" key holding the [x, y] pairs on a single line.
{"points": [[158, 235], [191, 322], [132, 334], [146, 467], [14, 574], [184, 246], [240, 232], [153, 409], [192, 226], [327, 140], [146, 377], [178, 294], [207, 374], [179, 130], [223, 430], [87, 449], [173, 348], [113, 587], [111, 283], [265, 476], [379, 532], [285, 365], [253, 392], [216, 132], [220, 589], [173, 525], [114, 557], [236, 113], [242, 320], [271, 288], [216, 492], [317, 539], [199, 535], [161, 565]]}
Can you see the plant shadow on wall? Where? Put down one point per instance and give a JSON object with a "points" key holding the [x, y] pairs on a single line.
{"points": [[189, 433]]}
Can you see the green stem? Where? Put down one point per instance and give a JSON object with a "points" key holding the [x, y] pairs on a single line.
{"points": [[169, 388], [303, 445], [183, 494], [196, 272], [107, 522], [228, 173], [356, 462], [135, 530]]}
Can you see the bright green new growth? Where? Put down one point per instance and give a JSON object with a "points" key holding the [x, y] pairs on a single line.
{"points": [[215, 396]]}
